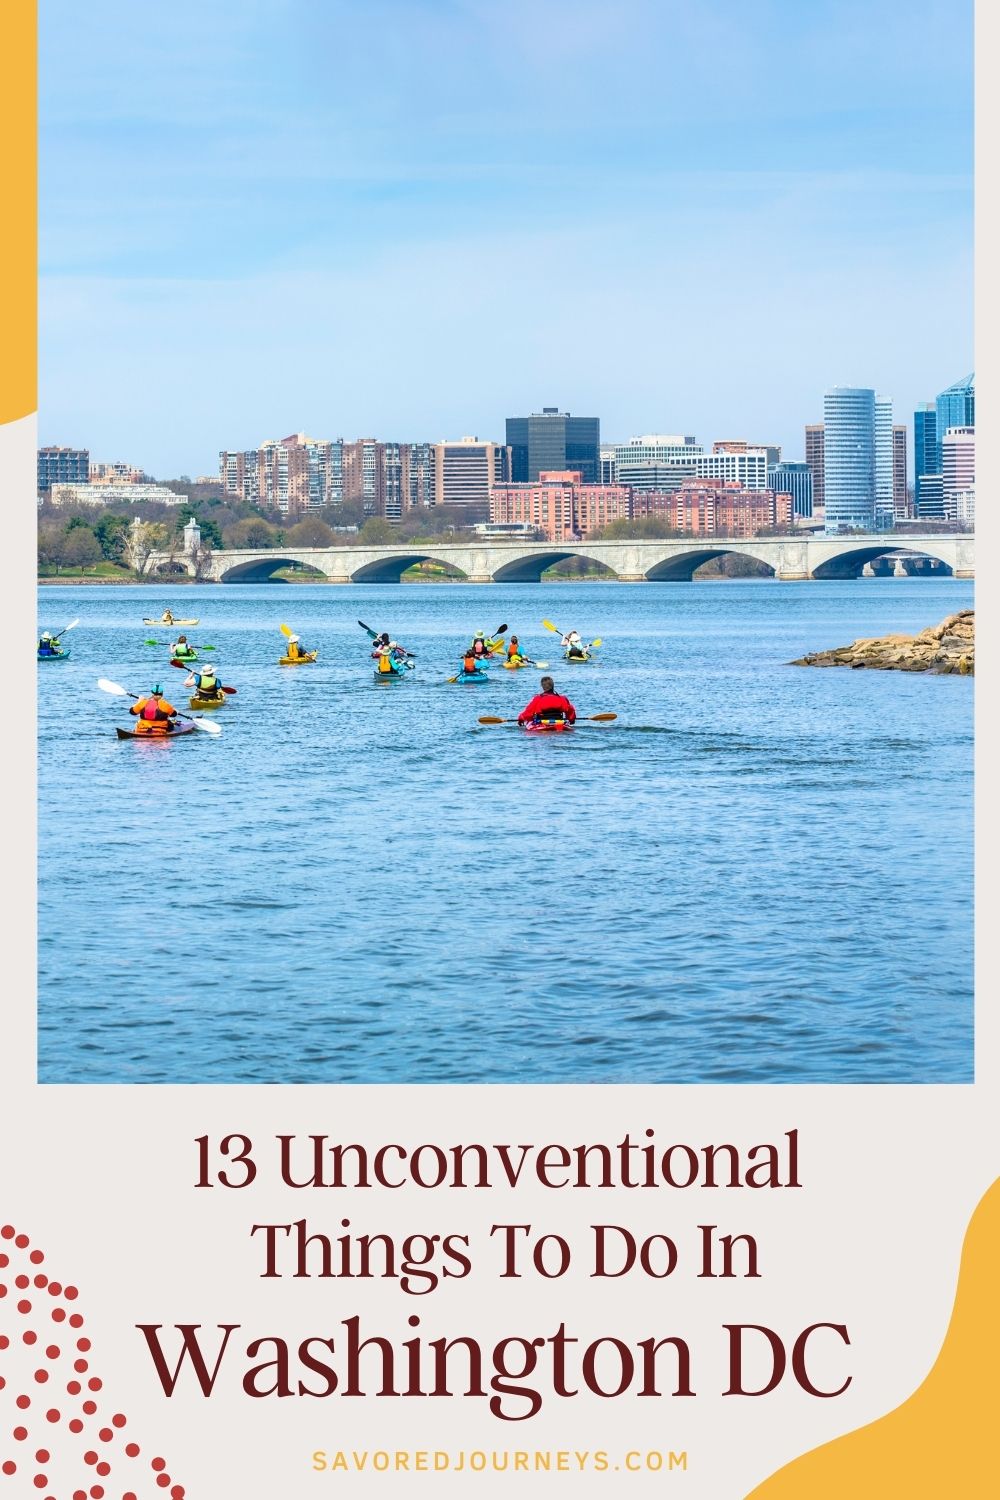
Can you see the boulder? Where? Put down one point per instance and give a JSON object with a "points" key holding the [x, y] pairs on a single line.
{"points": [[943, 649]]}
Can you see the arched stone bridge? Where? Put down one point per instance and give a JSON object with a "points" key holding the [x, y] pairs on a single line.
{"points": [[669, 560]]}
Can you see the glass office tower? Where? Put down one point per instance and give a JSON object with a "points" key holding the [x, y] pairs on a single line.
{"points": [[552, 439], [849, 458]]}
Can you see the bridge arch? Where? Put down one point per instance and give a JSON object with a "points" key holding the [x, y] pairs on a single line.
{"points": [[681, 566], [391, 569], [530, 567], [261, 569], [847, 561]]}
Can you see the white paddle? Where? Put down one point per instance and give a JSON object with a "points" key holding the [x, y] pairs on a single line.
{"points": [[116, 688]]}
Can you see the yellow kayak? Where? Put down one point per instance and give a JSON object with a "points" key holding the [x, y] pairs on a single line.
{"points": [[297, 661], [513, 664]]}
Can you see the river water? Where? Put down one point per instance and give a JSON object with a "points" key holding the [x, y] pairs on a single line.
{"points": [[759, 874]]}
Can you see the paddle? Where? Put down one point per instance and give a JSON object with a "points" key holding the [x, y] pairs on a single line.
{"points": [[171, 643], [71, 626], [119, 692], [188, 666], [586, 719]]}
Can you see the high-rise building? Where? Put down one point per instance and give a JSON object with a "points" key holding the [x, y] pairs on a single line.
{"points": [[849, 458], [925, 453], [901, 506], [554, 440], [62, 466], [884, 512], [815, 458], [958, 466], [796, 480], [931, 497], [609, 472], [466, 471], [293, 475], [364, 475], [420, 476], [658, 462], [955, 407], [965, 507], [560, 505]]}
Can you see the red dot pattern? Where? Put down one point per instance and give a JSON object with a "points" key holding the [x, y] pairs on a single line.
{"points": [[95, 1455]]}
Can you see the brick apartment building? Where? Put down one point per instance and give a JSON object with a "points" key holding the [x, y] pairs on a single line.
{"points": [[559, 505]]}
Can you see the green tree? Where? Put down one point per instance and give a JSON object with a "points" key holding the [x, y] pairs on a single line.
{"points": [[376, 532], [75, 522], [110, 532], [310, 532], [252, 532], [210, 533], [51, 542], [81, 549]]}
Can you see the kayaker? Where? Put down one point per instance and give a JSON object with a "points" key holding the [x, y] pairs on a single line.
{"points": [[166, 618], [572, 644], [480, 647], [514, 654], [388, 661], [204, 682], [382, 643], [181, 647], [470, 664], [155, 714], [548, 704], [296, 649], [47, 644]]}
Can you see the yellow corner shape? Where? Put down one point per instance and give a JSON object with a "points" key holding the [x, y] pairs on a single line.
{"points": [[941, 1441], [19, 241]]}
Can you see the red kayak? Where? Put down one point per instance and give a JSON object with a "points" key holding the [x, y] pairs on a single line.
{"points": [[548, 726]]}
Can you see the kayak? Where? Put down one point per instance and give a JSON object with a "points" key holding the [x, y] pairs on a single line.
{"points": [[515, 666], [548, 726], [388, 676], [476, 676], [169, 623], [578, 659], [186, 655], [54, 655], [297, 661], [207, 702], [156, 734]]}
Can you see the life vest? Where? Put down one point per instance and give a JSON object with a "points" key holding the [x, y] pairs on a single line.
{"points": [[512, 650], [206, 684], [385, 663], [469, 662], [153, 715], [480, 649]]}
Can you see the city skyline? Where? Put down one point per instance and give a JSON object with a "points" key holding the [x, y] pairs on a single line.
{"points": [[222, 258]]}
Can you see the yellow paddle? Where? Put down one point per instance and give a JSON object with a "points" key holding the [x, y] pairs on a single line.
{"points": [[586, 719]]}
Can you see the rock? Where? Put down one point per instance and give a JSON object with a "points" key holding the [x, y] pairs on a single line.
{"points": [[940, 649]]}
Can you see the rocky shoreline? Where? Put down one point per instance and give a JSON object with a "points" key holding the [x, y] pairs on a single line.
{"points": [[946, 648]]}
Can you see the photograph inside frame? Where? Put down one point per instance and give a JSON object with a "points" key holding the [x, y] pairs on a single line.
{"points": [[624, 733]]}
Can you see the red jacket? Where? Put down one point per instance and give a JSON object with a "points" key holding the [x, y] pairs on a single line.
{"points": [[547, 703]]}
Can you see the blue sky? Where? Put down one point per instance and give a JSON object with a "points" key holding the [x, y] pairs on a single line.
{"points": [[411, 218]]}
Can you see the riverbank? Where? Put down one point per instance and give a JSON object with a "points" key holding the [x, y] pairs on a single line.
{"points": [[941, 649]]}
